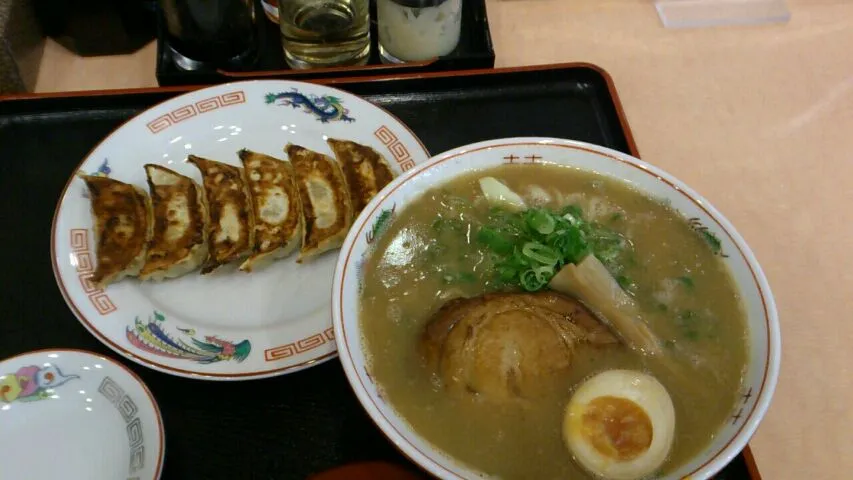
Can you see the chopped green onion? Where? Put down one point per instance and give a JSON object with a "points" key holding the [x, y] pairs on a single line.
{"points": [[573, 210], [573, 214], [687, 282], [541, 253], [442, 224], [541, 221], [527, 248], [519, 259], [688, 321], [506, 273], [494, 240], [571, 245], [544, 273], [531, 280]]}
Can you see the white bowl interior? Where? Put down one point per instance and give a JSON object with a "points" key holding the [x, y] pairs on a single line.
{"points": [[760, 378], [89, 417]]}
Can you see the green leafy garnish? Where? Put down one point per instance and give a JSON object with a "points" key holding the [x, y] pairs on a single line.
{"points": [[624, 282], [534, 279], [497, 241], [541, 253], [693, 326], [443, 224], [530, 247], [687, 282], [540, 220]]}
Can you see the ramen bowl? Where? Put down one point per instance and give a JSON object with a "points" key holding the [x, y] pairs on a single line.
{"points": [[763, 344]]}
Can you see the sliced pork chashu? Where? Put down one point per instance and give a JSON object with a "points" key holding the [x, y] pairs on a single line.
{"points": [[121, 214], [276, 208], [508, 346], [230, 227], [179, 242], [326, 204], [365, 170]]}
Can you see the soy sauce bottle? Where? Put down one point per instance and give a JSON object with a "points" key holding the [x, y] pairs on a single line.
{"points": [[211, 33]]}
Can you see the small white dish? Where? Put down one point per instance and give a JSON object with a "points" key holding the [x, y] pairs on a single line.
{"points": [[762, 320], [73, 415], [230, 325]]}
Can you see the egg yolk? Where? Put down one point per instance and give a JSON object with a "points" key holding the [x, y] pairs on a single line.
{"points": [[617, 428]]}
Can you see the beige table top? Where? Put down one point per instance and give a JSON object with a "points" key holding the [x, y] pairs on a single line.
{"points": [[758, 119]]}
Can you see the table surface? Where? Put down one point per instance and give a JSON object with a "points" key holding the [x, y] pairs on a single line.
{"points": [[758, 119]]}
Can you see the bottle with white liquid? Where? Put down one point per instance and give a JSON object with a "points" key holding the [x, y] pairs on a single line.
{"points": [[415, 30]]}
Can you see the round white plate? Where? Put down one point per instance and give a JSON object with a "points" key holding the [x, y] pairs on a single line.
{"points": [[76, 415], [232, 325]]}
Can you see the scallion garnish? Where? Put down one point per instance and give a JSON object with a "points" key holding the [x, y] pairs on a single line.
{"points": [[529, 247]]}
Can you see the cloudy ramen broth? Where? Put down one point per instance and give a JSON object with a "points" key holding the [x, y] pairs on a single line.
{"points": [[429, 254]]}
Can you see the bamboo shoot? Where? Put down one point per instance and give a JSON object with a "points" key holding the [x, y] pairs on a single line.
{"points": [[590, 282]]}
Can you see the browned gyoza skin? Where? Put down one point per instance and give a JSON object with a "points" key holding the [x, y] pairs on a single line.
{"points": [[366, 171], [121, 215], [231, 228], [275, 205], [326, 204], [179, 238], [507, 346]]}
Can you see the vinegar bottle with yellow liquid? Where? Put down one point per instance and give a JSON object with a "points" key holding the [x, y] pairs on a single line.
{"points": [[324, 33]]}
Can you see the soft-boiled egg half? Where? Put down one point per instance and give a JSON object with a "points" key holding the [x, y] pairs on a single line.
{"points": [[619, 424]]}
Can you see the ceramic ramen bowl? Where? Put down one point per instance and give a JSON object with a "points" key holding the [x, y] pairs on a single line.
{"points": [[763, 355]]}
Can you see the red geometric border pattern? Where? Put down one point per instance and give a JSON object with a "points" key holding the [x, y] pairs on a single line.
{"points": [[300, 346], [191, 110], [398, 150], [85, 270]]}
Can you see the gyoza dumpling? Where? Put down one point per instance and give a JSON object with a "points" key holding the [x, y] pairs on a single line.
{"points": [[326, 203], [230, 229], [276, 208], [365, 170], [121, 215], [179, 242]]}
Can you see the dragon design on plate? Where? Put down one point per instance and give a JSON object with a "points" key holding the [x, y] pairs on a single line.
{"points": [[326, 107], [103, 171]]}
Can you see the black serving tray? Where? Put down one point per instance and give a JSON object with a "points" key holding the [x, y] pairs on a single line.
{"points": [[310, 421], [474, 51]]}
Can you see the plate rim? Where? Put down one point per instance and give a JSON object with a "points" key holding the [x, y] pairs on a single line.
{"points": [[185, 372], [161, 458]]}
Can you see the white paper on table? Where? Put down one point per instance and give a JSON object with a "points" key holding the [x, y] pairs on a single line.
{"points": [[711, 13]]}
